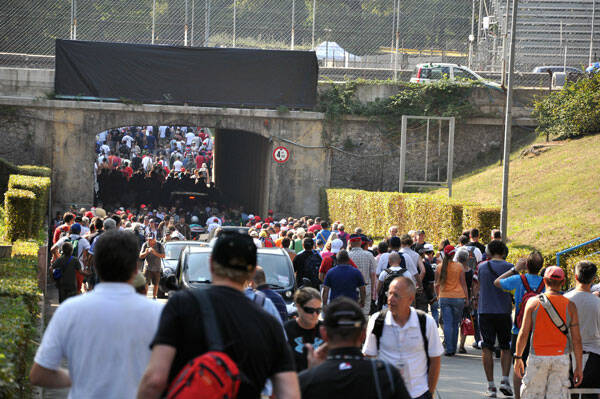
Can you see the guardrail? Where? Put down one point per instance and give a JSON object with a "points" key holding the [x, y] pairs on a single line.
{"points": [[578, 392], [565, 251]]}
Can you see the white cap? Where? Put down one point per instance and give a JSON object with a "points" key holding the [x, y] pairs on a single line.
{"points": [[336, 245], [428, 248], [283, 221], [250, 216]]}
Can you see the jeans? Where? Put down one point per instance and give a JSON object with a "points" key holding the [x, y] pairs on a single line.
{"points": [[452, 309], [435, 312]]}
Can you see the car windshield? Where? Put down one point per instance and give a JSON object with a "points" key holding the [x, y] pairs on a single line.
{"points": [[435, 72], [277, 269], [172, 250], [461, 74]]}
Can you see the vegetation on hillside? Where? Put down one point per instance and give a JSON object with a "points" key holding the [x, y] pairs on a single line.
{"points": [[554, 198], [571, 112]]}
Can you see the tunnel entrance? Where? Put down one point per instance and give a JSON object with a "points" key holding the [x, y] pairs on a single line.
{"points": [[241, 173]]}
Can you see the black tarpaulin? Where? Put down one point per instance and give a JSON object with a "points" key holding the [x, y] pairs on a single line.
{"points": [[178, 75]]}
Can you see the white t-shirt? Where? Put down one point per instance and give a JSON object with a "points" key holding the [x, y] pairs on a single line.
{"points": [[149, 129], [127, 139], [177, 165], [213, 219], [403, 348], [112, 323], [207, 144], [105, 149], [162, 132], [384, 274], [383, 263], [102, 136], [147, 162], [189, 137]]}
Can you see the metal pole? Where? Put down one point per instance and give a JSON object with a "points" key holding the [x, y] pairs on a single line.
{"points": [[508, 124], [74, 19], [592, 31], [185, 25], [234, 20], [439, 148], [293, 21], [565, 62], [153, 19], [402, 153], [397, 41], [451, 126], [392, 45], [72, 16], [192, 30], [426, 149], [504, 45], [313, 23], [479, 24], [206, 21], [471, 37]]}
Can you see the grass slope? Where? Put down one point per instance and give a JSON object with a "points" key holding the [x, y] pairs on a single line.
{"points": [[554, 198]]}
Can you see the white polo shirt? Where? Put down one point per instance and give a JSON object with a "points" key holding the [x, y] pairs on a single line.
{"points": [[105, 337], [382, 264], [403, 347]]}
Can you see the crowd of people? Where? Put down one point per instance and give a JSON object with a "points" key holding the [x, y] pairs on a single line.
{"points": [[145, 164], [368, 317]]}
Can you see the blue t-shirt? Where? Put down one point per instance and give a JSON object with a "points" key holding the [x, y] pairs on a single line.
{"points": [[150, 140], [324, 235], [343, 280], [514, 285], [491, 298]]}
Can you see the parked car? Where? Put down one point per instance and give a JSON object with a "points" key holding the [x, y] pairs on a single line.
{"points": [[427, 73], [193, 270], [556, 68], [593, 68], [169, 262]]}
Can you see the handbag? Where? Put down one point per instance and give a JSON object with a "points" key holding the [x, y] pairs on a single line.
{"points": [[466, 326]]}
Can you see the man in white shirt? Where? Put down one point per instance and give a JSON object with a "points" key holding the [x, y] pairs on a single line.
{"points": [[127, 139], [406, 241], [208, 144], [82, 245], [105, 149], [147, 162], [189, 136], [383, 262], [177, 165], [104, 335], [402, 340]]}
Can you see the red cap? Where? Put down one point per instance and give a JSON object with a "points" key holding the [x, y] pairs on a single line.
{"points": [[89, 214], [258, 226], [449, 250], [131, 216], [554, 273], [142, 206]]}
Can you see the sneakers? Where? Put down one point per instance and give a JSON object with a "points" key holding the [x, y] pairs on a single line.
{"points": [[491, 392], [475, 345], [462, 350], [506, 389]]}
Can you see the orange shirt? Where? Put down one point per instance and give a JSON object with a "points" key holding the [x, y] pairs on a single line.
{"points": [[546, 338], [452, 287]]}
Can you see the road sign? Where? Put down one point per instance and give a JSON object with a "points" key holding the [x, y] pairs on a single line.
{"points": [[281, 154]]}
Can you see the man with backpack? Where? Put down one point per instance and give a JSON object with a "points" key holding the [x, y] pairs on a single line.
{"points": [[220, 331], [523, 287], [80, 250], [406, 338], [344, 280], [396, 269], [341, 370], [366, 263], [307, 263], [553, 324]]}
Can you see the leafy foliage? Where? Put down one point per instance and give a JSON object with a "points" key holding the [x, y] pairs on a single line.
{"points": [[571, 112], [485, 219], [19, 213], [40, 186], [375, 212]]}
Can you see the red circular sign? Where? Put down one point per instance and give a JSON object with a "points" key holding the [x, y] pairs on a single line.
{"points": [[281, 154]]}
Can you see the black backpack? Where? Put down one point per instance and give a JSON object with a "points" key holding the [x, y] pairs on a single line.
{"points": [[472, 261], [391, 275], [311, 269], [380, 321]]}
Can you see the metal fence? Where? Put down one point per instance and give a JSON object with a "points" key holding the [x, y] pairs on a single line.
{"points": [[367, 38]]}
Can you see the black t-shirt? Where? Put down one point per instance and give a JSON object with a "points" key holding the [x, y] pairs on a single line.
{"points": [[68, 266], [346, 374], [297, 337], [478, 245], [253, 338]]}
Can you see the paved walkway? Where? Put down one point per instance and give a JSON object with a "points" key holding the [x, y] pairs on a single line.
{"points": [[461, 377]]}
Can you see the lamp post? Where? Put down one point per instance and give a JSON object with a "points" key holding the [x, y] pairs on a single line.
{"points": [[508, 124], [592, 31], [293, 22], [313, 23], [234, 21], [472, 35], [153, 19]]}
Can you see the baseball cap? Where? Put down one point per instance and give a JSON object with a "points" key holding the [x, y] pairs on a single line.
{"points": [[76, 228], [355, 237], [428, 248], [552, 273], [235, 251], [336, 245], [343, 312], [449, 250]]}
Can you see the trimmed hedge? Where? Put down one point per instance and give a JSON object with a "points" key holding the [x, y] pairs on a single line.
{"points": [[375, 212], [40, 186], [35, 170], [485, 219], [8, 168], [19, 206], [19, 312]]}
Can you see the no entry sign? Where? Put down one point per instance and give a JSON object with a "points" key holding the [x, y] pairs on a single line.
{"points": [[281, 154]]}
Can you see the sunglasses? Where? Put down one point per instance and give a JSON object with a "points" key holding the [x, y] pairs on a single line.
{"points": [[310, 310]]}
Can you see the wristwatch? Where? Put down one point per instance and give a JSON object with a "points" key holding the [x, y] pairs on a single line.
{"points": [[517, 357], [514, 270]]}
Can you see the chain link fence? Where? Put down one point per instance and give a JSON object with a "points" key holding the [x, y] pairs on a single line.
{"points": [[371, 39]]}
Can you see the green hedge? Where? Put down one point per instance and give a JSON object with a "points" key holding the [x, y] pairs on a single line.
{"points": [[19, 313], [485, 219], [40, 186], [19, 206], [35, 170], [8, 168], [375, 212]]}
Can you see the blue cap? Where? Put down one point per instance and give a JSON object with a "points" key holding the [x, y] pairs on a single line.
{"points": [[75, 228]]}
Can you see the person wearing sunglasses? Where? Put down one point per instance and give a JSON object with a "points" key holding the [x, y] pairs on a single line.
{"points": [[304, 329]]}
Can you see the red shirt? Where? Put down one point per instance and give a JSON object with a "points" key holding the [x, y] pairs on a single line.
{"points": [[327, 264], [314, 228], [127, 171], [199, 161], [58, 231], [268, 219]]}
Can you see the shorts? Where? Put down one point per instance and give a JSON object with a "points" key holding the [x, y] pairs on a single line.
{"points": [[546, 377], [591, 370], [494, 325], [513, 348], [152, 277]]}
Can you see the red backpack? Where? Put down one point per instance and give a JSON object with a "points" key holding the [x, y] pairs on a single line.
{"points": [[529, 293], [212, 375]]}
